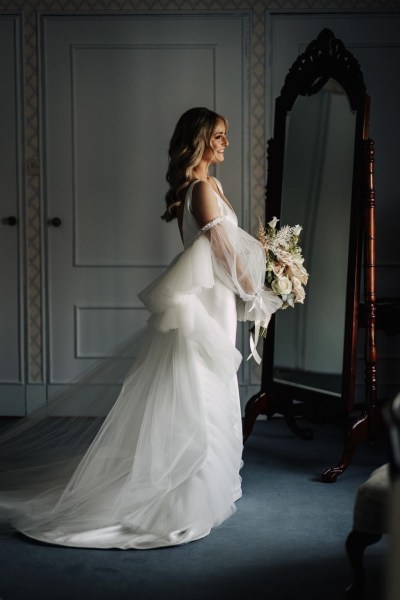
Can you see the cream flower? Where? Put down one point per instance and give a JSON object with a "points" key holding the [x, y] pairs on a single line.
{"points": [[296, 269], [299, 293], [297, 229], [281, 286], [273, 222], [278, 269]]}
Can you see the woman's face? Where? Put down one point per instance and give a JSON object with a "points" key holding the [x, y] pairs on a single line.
{"points": [[219, 141]]}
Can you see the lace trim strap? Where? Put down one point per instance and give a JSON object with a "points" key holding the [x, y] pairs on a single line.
{"points": [[213, 222]]}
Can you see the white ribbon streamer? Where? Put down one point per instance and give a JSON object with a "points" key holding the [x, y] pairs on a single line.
{"points": [[253, 343]]}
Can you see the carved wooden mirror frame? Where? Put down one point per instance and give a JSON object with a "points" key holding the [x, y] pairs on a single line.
{"points": [[327, 58]]}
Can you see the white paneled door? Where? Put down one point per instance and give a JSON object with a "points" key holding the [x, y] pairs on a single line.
{"points": [[12, 390], [113, 89]]}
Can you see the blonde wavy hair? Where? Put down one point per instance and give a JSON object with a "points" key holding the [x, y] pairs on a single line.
{"points": [[191, 137]]}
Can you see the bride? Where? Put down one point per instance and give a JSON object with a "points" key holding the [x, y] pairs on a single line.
{"points": [[163, 468]]}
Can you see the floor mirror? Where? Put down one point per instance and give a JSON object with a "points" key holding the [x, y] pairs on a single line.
{"points": [[320, 175]]}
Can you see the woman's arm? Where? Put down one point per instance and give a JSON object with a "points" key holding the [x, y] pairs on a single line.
{"points": [[204, 203], [206, 209], [238, 258]]}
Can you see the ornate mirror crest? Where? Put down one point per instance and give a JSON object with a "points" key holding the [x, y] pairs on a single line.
{"points": [[324, 58]]}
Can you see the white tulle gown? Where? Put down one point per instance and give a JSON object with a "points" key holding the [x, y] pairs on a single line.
{"points": [[164, 467]]}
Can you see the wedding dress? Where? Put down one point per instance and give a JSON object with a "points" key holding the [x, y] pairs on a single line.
{"points": [[163, 468]]}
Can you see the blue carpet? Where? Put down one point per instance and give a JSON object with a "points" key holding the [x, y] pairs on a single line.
{"points": [[286, 541]]}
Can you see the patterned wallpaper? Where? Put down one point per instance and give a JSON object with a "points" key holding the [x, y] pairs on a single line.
{"points": [[33, 209]]}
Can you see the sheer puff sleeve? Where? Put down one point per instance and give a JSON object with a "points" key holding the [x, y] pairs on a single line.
{"points": [[239, 262]]}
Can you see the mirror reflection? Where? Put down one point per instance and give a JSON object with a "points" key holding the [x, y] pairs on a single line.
{"points": [[316, 193]]}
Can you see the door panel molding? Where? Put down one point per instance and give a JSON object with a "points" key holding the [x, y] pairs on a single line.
{"points": [[12, 248], [108, 282]]}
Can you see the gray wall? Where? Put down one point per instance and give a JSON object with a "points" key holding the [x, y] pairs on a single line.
{"points": [[261, 109]]}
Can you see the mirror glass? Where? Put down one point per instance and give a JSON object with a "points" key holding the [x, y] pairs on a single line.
{"points": [[316, 193]]}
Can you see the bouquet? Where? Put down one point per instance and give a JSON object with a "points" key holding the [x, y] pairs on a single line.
{"points": [[285, 272]]}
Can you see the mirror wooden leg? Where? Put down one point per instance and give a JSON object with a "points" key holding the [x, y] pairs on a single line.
{"points": [[367, 428], [257, 405], [357, 433], [287, 409], [264, 404]]}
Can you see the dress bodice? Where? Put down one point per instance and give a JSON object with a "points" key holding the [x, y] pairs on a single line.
{"points": [[190, 227]]}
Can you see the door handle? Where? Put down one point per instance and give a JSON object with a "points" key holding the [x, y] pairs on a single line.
{"points": [[11, 221], [55, 222]]}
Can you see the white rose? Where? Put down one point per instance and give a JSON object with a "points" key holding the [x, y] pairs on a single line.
{"points": [[273, 222], [281, 286]]}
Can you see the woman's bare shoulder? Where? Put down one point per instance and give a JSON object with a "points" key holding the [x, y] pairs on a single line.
{"points": [[204, 203]]}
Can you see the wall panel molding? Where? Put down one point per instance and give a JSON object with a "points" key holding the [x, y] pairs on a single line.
{"points": [[31, 13], [14, 347], [87, 318]]}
